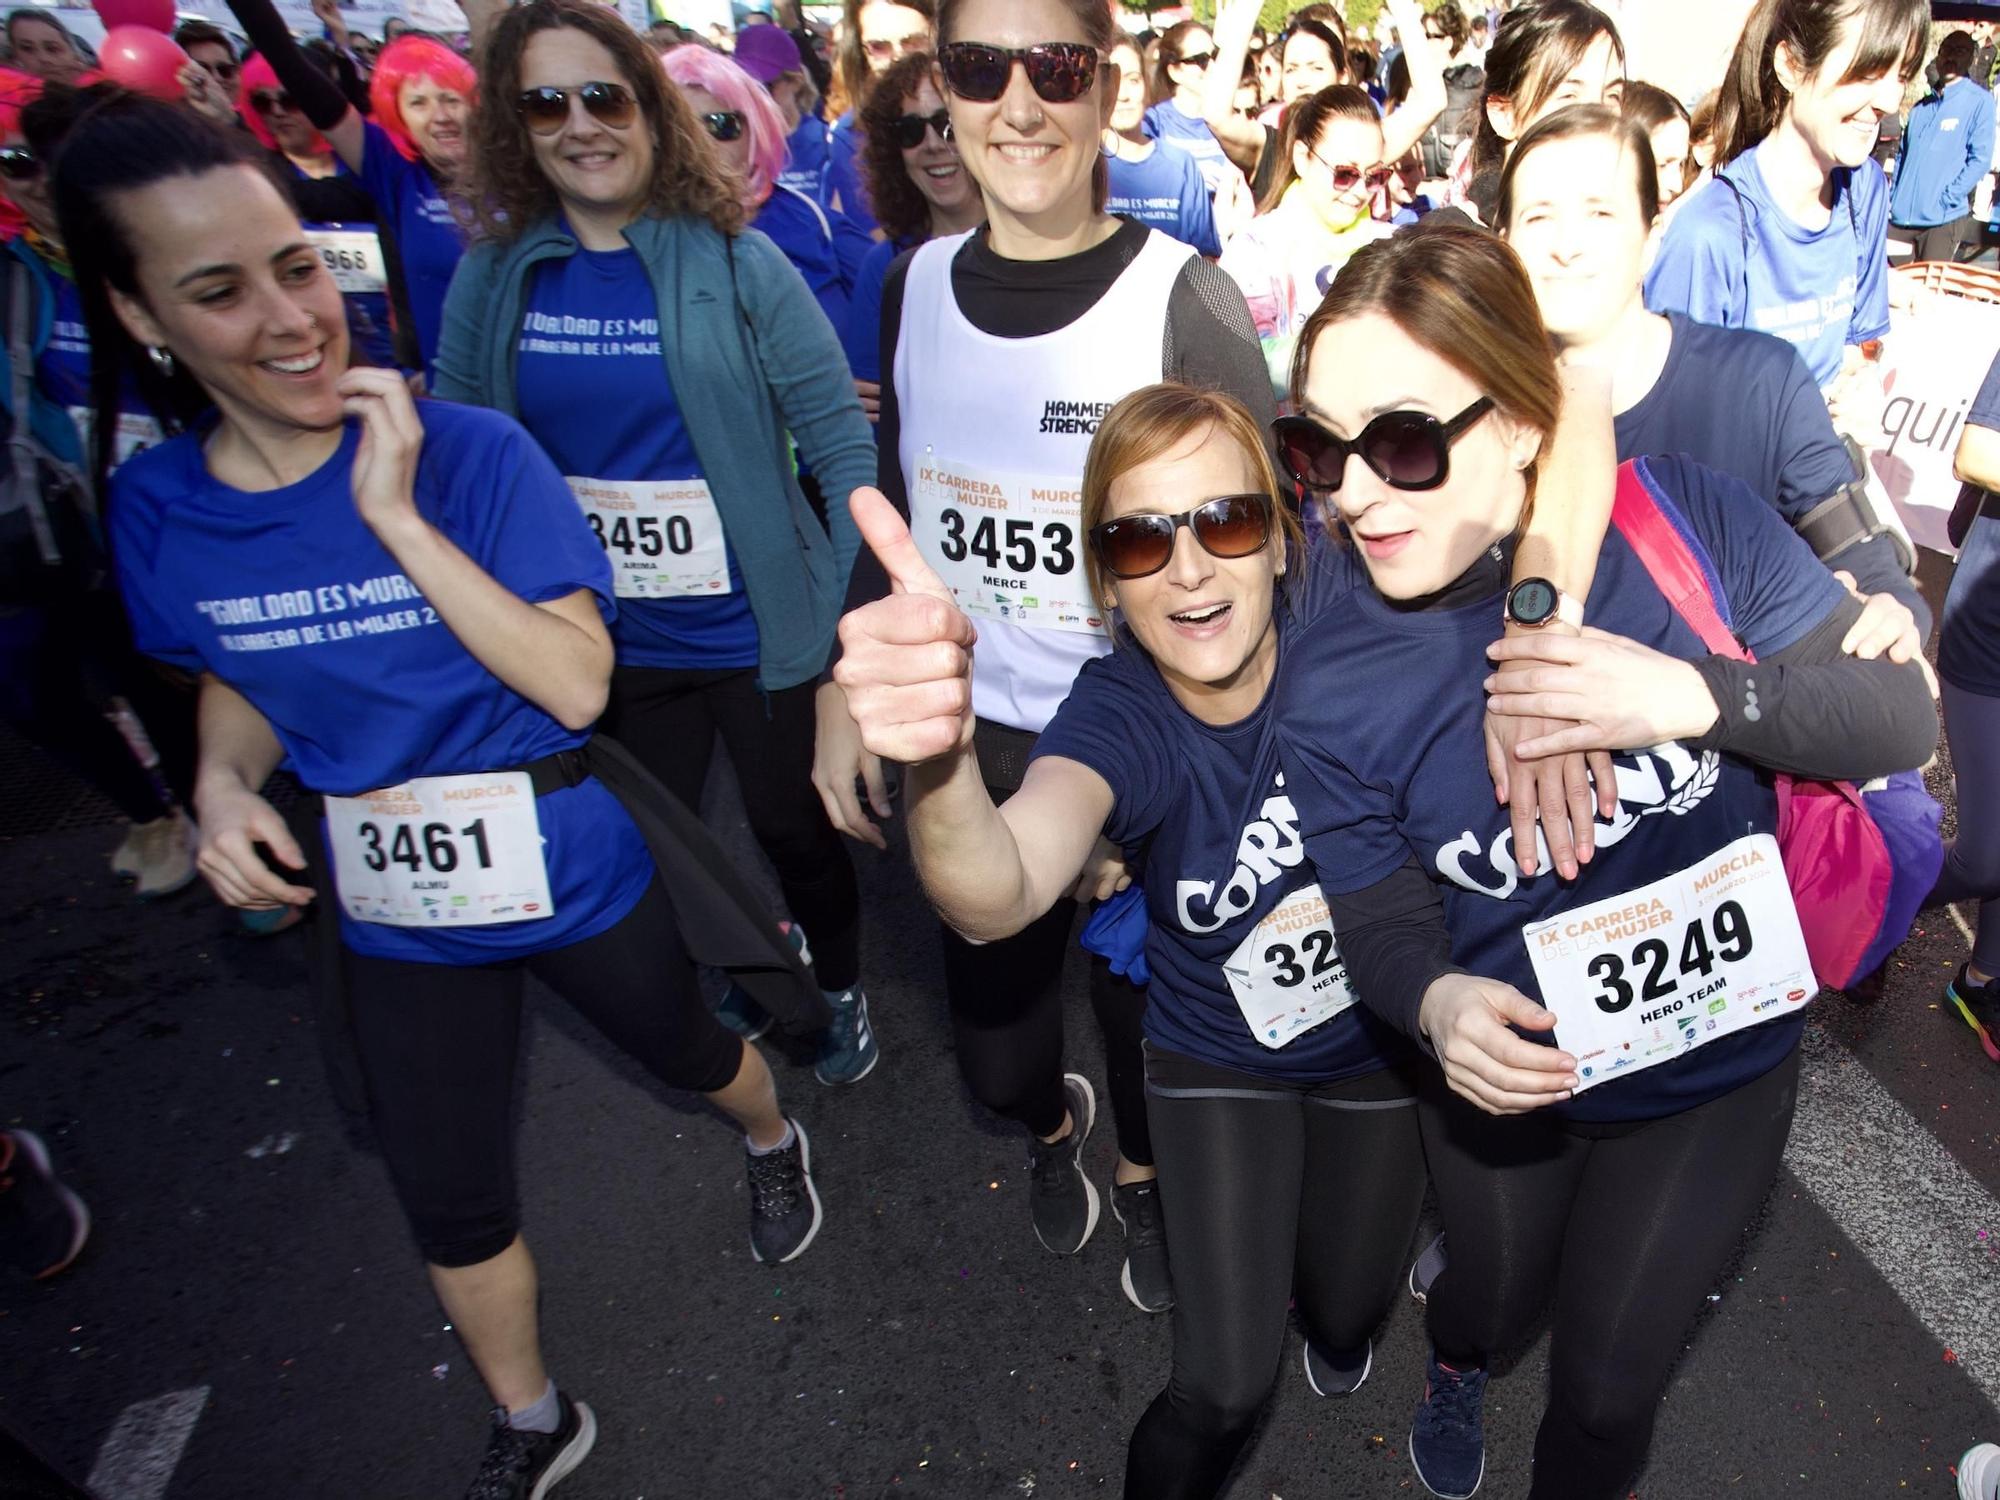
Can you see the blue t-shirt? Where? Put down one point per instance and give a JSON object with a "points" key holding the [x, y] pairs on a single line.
{"points": [[862, 337], [1206, 809], [1379, 719], [1164, 192], [841, 187], [288, 597], [805, 158], [62, 369], [594, 390], [1733, 257], [804, 231], [1165, 123], [1969, 641], [428, 240]]}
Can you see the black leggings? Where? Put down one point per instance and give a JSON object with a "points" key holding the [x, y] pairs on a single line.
{"points": [[439, 1044], [1626, 1226], [1270, 1192], [669, 718]]}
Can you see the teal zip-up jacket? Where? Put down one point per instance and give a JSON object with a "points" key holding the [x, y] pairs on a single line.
{"points": [[752, 358]]}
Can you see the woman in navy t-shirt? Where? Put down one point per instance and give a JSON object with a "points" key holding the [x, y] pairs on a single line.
{"points": [[1616, 1170], [400, 603]]}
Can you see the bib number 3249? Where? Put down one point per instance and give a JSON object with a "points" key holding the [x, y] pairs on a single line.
{"points": [[441, 851]]}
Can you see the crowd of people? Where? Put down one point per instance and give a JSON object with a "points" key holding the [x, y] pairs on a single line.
{"points": [[479, 435]]}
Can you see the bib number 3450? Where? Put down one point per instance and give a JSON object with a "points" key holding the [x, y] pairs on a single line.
{"points": [[441, 851]]}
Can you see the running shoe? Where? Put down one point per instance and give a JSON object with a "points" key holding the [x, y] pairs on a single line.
{"points": [[527, 1465], [1338, 1372], [125, 858], [1979, 1473], [1448, 1436], [1148, 1282], [847, 1053], [1062, 1198], [745, 1016], [1425, 1268], [784, 1204], [164, 849], [1978, 1005], [42, 1223]]}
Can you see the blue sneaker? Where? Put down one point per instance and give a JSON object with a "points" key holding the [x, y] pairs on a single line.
{"points": [[848, 1054], [745, 1016], [1448, 1436]]}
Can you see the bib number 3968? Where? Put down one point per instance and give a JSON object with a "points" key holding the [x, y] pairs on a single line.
{"points": [[458, 851], [1644, 977]]}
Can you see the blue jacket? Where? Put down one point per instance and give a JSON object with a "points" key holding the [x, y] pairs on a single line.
{"points": [[48, 421], [750, 356], [1947, 148]]}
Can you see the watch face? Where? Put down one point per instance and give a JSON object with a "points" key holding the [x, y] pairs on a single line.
{"points": [[1532, 601]]}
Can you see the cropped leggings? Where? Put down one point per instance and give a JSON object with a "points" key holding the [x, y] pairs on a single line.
{"points": [[1625, 1226]]}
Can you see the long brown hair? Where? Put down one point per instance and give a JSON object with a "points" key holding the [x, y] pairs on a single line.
{"points": [[1893, 34], [1173, 50], [1461, 293], [850, 64], [898, 203], [1533, 51], [506, 183]]}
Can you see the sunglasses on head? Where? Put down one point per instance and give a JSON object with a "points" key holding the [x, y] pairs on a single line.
{"points": [[1059, 72], [1228, 526], [546, 110], [1347, 175], [910, 128], [723, 124], [270, 101], [18, 164], [1407, 450]]}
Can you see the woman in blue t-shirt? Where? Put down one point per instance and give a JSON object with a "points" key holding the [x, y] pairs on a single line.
{"points": [[873, 34], [1615, 1171], [1790, 236], [1175, 118], [1150, 181], [400, 603], [666, 358]]}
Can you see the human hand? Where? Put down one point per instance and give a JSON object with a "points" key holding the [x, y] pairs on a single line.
{"points": [[1468, 1022]]}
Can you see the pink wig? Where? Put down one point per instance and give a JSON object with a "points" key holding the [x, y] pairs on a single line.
{"points": [[17, 91], [405, 59], [695, 66], [255, 78]]}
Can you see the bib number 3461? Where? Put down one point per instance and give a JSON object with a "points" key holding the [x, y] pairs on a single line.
{"points": [[457, 851]]}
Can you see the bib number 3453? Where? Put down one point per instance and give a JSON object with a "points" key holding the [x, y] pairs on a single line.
{"points": [[438, 851]]}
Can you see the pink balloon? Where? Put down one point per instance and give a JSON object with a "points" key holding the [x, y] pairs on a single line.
{"points": [[143, 60], [154, 15]]}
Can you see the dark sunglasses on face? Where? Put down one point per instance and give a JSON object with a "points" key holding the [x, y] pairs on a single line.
{"points": [[18, 164], [910, 128], [1347, 175], [902, 46], [270, 101], [723, 124], [1228, 526], [1059, 72], [1199, 59], [546, 110], [1407, 450]]}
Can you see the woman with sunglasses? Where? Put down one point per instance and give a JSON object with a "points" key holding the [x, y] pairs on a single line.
{"points": [[874, 33], [1178, 87], [667, 358], [1615, 1171], [1159, 186], [400, 601], [1281, 1112], [408, 156], [1330, 198]]}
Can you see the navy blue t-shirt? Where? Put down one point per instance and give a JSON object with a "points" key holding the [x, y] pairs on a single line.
{"points": [[594, 390], [428, 240], [1379, 719], [1164, 192], [288, 597], [1206, 806], [1969, 642]]}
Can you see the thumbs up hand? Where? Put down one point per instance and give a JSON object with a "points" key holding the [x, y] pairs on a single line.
{"points": [[906, 661]]}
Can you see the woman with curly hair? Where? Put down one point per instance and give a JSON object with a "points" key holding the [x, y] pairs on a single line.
{"points": [[667, 358], [873, 34]]}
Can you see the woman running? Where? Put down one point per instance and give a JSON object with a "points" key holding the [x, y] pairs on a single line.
{"points": [[874, 33], [1160, 187], [1791, 239], [408, 156], [401, 603], [1614, 1172], [661, 354]]}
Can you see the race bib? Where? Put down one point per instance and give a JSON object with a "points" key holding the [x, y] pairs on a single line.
{"points": [[136, 433], [1287, 975], [1009, 546], [664, 537], [353, 257], [1642, 978], [441, 851]]}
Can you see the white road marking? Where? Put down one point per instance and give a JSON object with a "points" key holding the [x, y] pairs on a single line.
{"points": [[1964, 927], [1913, 1210], [138, 1459]]}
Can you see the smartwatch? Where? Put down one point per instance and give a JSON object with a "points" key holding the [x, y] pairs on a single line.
{"points": [[1533, 602]]}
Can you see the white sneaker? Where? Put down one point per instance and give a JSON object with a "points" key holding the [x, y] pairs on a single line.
{"points": [[125, 858], [165, 854], [1979, 1473]]}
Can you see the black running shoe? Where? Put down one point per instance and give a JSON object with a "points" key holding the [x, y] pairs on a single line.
{"points": [[1978, 1005], [784, 1204], [1148, 1283], [1338, 1372], [42, 1223], [527, 1465], [1062, 1198]]}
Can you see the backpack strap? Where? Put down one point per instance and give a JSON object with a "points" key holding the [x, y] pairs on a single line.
{"points": [[1669, 555]]}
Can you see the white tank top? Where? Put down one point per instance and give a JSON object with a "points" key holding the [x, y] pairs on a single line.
{"points": [[994, 434]]}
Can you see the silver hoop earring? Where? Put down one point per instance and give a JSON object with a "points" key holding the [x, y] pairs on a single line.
{"points": [[163, 360]]}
